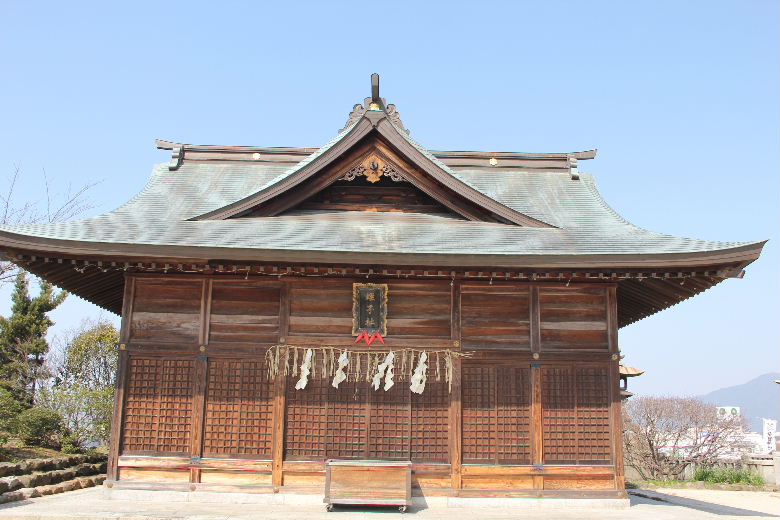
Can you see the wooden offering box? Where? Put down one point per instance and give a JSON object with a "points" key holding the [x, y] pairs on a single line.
{"points": [[369, 482]]}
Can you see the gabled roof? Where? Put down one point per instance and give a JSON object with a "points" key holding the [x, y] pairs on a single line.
{"points": [[554, 216], [586, 232], [437, 180]]}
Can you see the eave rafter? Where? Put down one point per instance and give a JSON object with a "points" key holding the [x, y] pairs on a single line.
{"points": [[640, 293]]}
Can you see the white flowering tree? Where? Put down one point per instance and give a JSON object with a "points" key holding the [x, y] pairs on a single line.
{"points": [[664, 435]]}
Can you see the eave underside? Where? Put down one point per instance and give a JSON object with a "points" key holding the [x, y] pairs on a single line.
{"points": [[640, 293]]}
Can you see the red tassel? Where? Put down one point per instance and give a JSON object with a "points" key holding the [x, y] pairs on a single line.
{"points": [[370, 339]]}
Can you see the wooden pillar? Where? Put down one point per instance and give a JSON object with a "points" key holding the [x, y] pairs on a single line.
{"points": [[116, 420], [612, 320], [198, 413], [115, 438], [535, 324], [616, 426], [616, 412], [280, 392], [205, 312], [537, 439], [201, 380], [127, 309], [456, 426]]}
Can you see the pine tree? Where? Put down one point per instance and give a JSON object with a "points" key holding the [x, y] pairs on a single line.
{"points": [[23, 344]]}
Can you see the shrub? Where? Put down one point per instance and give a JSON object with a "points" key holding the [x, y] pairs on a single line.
{"points": [[39, 427], [70, 446], [86, 412], [728, 476]]}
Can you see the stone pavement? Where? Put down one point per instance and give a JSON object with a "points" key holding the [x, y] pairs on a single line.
{"points": [[671, 504]]}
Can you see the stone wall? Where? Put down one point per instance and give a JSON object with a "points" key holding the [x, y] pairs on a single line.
{"points": [[38, 477]]}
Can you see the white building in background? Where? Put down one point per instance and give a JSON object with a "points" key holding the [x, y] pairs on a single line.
{"points": [[768, 439], [724, 411], [757, 443]]}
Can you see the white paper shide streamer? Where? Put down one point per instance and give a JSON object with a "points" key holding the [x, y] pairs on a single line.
{"points": [[420, 375], [385, 367], [340, 365], [389, 372], [305, 370], [340, 376]]}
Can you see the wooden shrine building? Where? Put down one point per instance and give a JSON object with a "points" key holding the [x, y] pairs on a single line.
{"points": [[244, 276]]}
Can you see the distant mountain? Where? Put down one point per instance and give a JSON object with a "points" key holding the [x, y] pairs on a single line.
{"points": [[759, 397]]}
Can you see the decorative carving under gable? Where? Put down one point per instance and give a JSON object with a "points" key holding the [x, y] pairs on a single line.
{"points": [[391, 172], [353, 172], [373, 167]]}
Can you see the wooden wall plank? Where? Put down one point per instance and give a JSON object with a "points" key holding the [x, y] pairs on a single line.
{"points": [[247, 313], [573, 317], [578, 483], [496, 316], [234, 477], [520, 482], [234, 316], [154, 475], [419, 309], [166, 311]]}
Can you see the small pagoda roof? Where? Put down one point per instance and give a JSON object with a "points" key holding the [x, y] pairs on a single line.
{"points": [[628, 371], [546, 215]]}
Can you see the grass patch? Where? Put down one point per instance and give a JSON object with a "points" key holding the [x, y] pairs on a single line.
{"points": [[728, 476], [663, 483], [16, 451]]}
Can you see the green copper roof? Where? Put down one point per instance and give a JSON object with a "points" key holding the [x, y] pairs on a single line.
{"points": [[160, 213]]}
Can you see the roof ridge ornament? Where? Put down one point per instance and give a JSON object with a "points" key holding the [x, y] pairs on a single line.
{"points": [[375, 103]]}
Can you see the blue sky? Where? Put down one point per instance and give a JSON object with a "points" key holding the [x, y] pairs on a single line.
{"points": [[680, 98]]}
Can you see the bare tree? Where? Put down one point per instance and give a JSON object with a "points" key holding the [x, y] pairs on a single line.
{"points": [[664, 435], [54, 208]]}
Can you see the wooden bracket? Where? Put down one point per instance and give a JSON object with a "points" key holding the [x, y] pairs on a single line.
{"points": [[177, 157], [573, 170]]}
